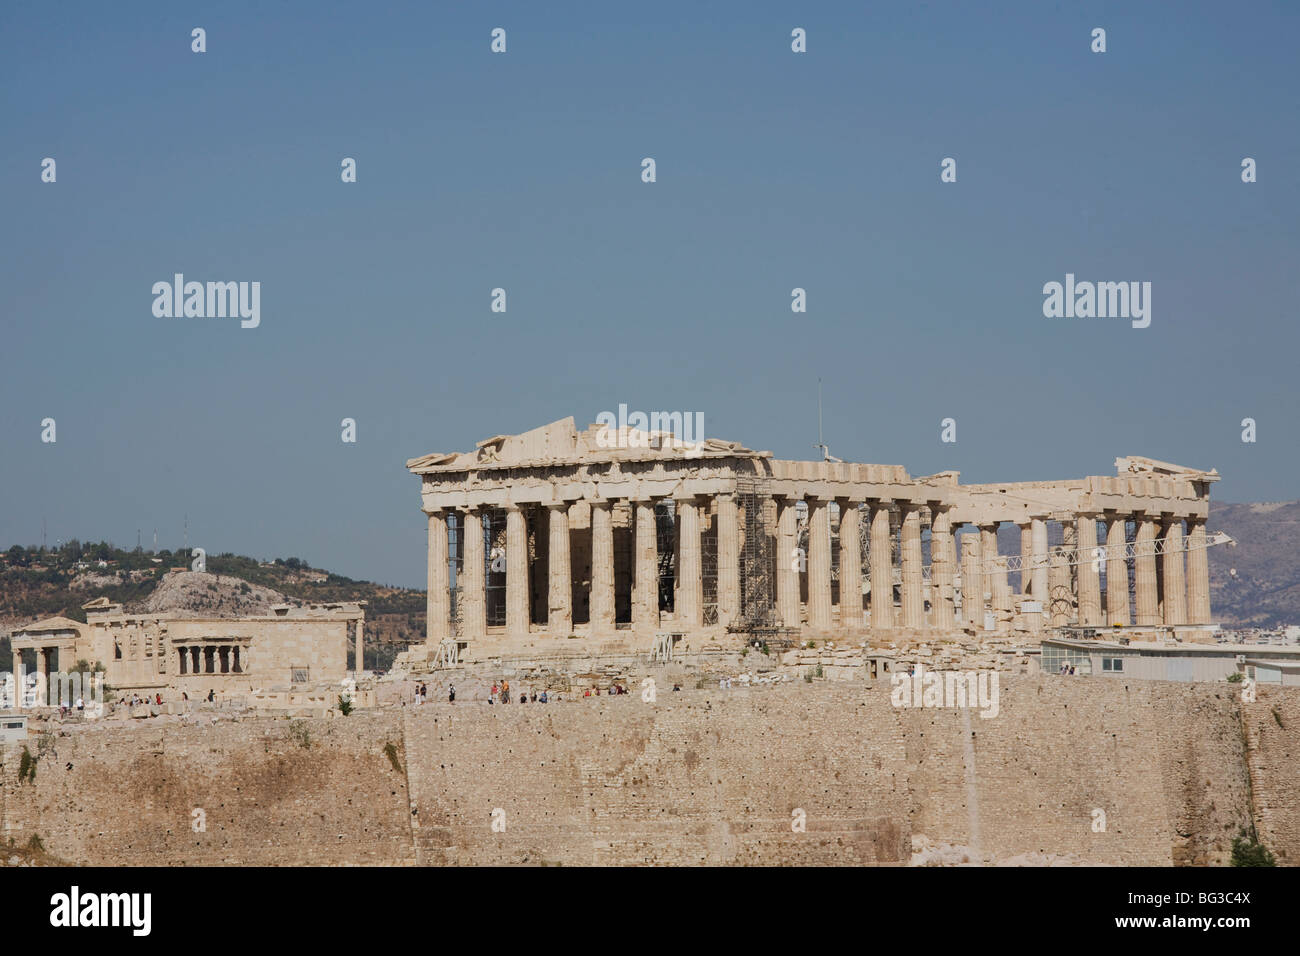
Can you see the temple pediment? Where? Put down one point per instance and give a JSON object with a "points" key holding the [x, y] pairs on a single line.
{"points": [[1137, 465], [561, 443]]}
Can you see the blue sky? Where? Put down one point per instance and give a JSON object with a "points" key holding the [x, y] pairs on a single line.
{"points": [[522, 170]]}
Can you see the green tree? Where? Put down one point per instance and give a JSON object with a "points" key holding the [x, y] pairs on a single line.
{"points": [[1246, 851]]}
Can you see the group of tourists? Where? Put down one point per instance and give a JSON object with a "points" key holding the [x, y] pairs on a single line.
{"points": [[135, 701], [615, 689], [503, 690]]}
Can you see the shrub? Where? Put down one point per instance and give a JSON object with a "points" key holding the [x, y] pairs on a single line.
{"points": [[1246, 851], [390, 751], [345, 705], [27, 767]]}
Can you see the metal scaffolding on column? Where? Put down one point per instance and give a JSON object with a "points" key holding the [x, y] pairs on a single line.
{"points": [[709, 569], [757, 556], [456, 567], [494, 565], [666, 537]]}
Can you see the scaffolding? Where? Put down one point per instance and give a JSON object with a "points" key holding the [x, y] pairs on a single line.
{"points": [[455, 568], [666, 538], [494, 565], [757, 556], [709, 569]]}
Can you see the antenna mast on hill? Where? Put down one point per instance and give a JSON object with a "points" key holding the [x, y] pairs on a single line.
{"points": [[187, 534]]}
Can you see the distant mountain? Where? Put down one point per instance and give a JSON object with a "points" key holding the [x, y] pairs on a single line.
{"points": [[36, 583], [1264, 591]]}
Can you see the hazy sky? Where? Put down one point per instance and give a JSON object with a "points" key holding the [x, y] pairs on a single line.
{"points": [[522, 170]]}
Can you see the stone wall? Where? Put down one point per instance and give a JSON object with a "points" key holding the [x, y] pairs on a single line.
{"points": [[700, 776], [272, 792], [1270, 725]]}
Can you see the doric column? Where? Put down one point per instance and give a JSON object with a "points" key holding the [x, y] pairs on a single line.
{"points": [[728, 559], [943, 555], [882, 567], [438, 600], [1198, 573], [42, 677], [1175, 604], [517, 613], [645, 604], [690, 580], [1088, 570], [473, 590], [988, 554], [1144, 562], [819, 562], [787, 563], [1116, 571], [1038, 555], [1026, 558], [602, 568], [972, 581], [360, 653], [1001, 586], [559, 614], [1058, 605], [910, 557], [850, 565]]}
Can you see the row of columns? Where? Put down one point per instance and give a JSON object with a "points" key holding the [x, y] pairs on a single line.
{"points": [[690, 597], [212, 659], [645, 591], [1166, 591], [1171, 588]]}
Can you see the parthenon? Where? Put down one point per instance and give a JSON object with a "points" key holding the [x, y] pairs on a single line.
{"points": [[614, 535]]}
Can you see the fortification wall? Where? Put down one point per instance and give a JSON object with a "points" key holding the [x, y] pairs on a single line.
{"points": [[700, 776], [1272, 733], [123, 796], [1162, 762]]}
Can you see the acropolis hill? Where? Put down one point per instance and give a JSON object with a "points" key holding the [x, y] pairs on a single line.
{"points": [[613, 536], [564, 560], [701, 776]]}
